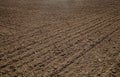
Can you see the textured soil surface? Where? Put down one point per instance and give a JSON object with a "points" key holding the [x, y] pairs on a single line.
{"points": [[60, 38]]}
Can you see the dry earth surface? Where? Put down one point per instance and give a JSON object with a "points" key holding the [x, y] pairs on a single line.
{"points": [[60, 38]]}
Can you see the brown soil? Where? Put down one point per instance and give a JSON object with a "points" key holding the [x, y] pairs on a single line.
{"points": [[60, 38]]}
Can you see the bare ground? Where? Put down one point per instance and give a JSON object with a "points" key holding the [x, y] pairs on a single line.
{"points": [[60, 38]]}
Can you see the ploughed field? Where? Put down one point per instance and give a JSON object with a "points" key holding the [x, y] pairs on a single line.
{"points": [[60, 38]]}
